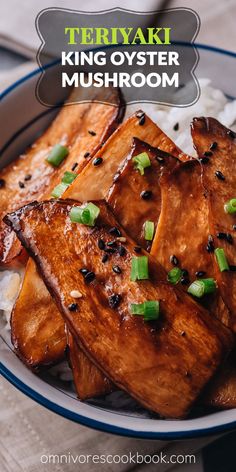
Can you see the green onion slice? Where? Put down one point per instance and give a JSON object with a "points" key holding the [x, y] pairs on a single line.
{"points": [[68, 177], [141, 162], [86, 214], [221, 259], [149, 229], [57, 155], [59, 190], [174, 275], [66, 180], [230, 206], [202, 287], [150, 310], [139, 268]]}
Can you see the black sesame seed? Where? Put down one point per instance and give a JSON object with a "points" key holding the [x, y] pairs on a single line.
{"points": [[89, 277], [176, 127], [210, 245], [146, 194], [112, 244], [219, 175], [232, 268], [221, 235], [229, 238], [21, 184], [200, 273], [116, 269], [137, 249], [83, 271], [182, 333], [213, 146], [115, 231], [87, 154], [185, 273], [226, 236], [92, 133], [2, 183], [204, 160], [208, 153], [101, 244], [231, 134], [73, 306], [174, 260], [142, 119], [74, 166], [97, 161], [114, 300], [110, 250], [184, 280], [27, 177], [234, 227], [121, 251], [105, 258]]}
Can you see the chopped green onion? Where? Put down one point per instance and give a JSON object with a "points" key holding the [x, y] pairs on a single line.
{"points": [[230, 206], [86, 214], [202, 287], [57, 155], [66, 180], [139, 268], [149, 229], [59, 190], [149, 310], [221, 259], [137, 308], [141, 162], [68, 177], [76, 215], [174, 275]]}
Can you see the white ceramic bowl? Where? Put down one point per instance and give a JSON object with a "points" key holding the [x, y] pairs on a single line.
{"points": [[22, 118]]}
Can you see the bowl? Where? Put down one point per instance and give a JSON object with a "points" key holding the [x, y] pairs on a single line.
{"points": [[22, 119]]}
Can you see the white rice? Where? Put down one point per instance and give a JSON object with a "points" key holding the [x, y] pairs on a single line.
{"points": [[212, 103], [10, 282]]}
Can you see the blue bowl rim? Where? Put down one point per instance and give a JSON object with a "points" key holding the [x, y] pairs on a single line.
{"points": [[34, 395]]}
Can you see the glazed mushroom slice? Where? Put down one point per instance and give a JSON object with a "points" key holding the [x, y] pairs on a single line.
{"points": [[26, 319], [221, 393], [37, 328], [183, 240], [135, 196], [32, 177], [88, 379], [144, 358], [183, 228], [219, 180]]}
